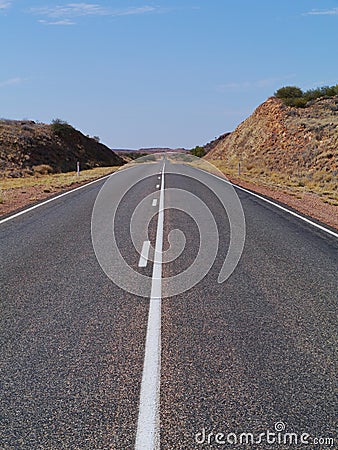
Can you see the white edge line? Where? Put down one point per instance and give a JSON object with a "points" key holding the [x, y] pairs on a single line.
{"points": [[148, 423], [273, 203], [143, 261], [53, 198]]}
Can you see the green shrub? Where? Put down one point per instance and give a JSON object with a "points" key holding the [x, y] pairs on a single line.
{"points": [[313, 94], [298, 102], [198, 151], [294, 96], [289, 92], [61, 127]]}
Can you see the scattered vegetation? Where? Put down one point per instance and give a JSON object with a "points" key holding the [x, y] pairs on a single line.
{"points": [[294, 96], [145, 159], [32, 188], [55, 180], [132, 155], [26, 146], [297, 183]]}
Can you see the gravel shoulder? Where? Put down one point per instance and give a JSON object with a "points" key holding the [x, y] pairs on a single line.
{"points": [[306, 203]]}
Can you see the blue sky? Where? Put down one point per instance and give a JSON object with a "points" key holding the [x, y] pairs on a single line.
{"points": [[145, 73]]}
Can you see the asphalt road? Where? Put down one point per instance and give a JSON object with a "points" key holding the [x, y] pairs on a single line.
{"points": [[239, 356]]}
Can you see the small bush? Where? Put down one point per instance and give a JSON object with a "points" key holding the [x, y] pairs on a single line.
{"points": [[298, 102], [289, 92], [313, 94], [60, 127], [42, 169], [198, 151]]}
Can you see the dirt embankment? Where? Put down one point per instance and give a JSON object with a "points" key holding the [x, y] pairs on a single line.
{"points": [[39, 160], [287, 153], [286, 139], [26, 144]]}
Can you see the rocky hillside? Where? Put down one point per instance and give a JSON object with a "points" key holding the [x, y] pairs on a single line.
{"points": [[277, 137], [26, 145], [214, 143]]}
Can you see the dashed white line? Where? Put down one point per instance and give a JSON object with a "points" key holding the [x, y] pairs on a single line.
{"points": [[143, 261], [157, 186], [148, 424], [154, 202]]}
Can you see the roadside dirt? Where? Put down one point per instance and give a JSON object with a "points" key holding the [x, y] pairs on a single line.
{"points": [[16, 199]]}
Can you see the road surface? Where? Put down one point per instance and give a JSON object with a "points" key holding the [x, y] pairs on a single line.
{"points": [[256, 353]]}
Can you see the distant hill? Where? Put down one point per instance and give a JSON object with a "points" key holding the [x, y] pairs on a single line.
{"points": [[131, 155], [285, 139], [147, 150], [25, 145], [161, 150]]}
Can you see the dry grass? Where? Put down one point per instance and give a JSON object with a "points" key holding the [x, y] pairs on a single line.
{"points": [[42, 169], [18, 192], [54, 181], [322, 183]]}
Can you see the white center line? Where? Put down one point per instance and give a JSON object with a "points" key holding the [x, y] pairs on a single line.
{"points": [[154, 202], [144, 254], [148, 425]]}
